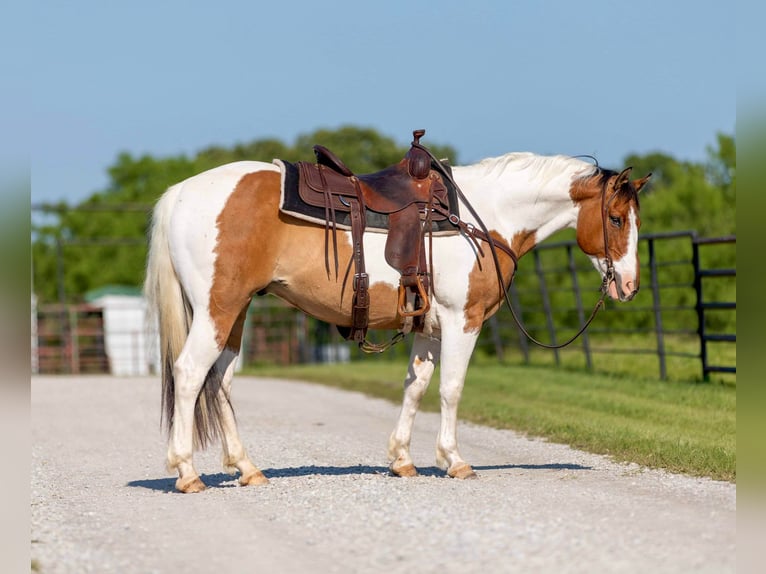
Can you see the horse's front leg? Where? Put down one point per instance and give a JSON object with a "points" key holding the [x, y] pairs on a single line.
{"points": [[457, 347], [235, 456], [425, 353]]}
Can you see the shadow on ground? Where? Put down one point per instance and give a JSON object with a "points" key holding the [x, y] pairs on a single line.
{"points": [[223, 480]]}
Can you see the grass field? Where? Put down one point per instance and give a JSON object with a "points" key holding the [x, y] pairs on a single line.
{"points": [[679, 426], [682, 359]]}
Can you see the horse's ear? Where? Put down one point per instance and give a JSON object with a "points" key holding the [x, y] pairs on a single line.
{"points": [[639, 183], [623, 178]]}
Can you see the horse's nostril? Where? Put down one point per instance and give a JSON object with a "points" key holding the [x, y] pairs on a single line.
{"points": [[630, 294]]}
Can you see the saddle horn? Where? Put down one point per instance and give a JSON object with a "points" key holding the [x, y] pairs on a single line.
{"points": [[419, 162]]}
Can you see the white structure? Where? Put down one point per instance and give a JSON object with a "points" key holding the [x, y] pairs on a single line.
{"points": [[131, 346]]}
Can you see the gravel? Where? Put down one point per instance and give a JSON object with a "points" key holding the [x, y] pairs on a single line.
{"points": [[101, 500]]}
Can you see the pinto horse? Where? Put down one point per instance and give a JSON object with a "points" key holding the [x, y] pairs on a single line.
{"points": [[219, 238]]}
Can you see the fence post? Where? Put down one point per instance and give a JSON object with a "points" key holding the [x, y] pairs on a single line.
{"points": [[497, 340], [74, 342], [523, 342], [658, 330], [580, 310], [546, 304], [699, 307], [65, 331]]}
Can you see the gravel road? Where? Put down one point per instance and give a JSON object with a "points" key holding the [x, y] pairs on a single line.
{"points": [[101, 500]]}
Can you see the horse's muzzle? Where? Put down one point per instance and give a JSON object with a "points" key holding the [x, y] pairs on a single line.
{"points": [[622, 290]]}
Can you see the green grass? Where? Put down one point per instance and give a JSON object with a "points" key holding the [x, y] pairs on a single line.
{"points": [[682, 427], [682, 360]]}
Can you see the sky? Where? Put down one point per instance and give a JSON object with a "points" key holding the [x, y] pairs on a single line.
{"points": [[606, 78]]}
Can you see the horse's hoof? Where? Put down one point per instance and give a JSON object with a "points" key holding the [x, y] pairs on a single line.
{"points": [[405, 471], [189, 485], [463, 472], [256, 478]]}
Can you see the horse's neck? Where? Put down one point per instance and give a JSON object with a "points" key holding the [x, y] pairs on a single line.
{"points": [[526, 200]]}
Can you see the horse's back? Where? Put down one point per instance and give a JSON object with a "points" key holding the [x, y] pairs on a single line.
{"points": [[216, 184], [198, 201]]}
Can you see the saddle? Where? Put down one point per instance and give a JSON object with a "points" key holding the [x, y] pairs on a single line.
{"points": [[415, 200]]}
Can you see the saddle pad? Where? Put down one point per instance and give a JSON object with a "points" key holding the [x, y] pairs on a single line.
{"points": [[291, 203]]}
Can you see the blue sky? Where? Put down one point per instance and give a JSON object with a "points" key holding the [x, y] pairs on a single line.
{"points": [[487, 77]]}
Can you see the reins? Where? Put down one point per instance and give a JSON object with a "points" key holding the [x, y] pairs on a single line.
{"points": [[483, 234], [608, 278]]}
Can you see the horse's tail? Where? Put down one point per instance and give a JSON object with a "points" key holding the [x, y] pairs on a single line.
{"points": [[170, 308], [167, 302]]}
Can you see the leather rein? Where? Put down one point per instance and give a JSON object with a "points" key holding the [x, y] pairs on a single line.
{"points": [[483, 234]]}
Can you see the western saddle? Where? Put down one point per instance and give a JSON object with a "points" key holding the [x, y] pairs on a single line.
{"points": [[411, 194]]}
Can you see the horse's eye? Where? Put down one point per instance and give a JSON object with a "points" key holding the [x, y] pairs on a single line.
{"points": [[616, 221]]}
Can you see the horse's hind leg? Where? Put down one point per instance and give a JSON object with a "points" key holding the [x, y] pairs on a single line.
{"points": [[234, 454], [190, 370], [425, 352]]}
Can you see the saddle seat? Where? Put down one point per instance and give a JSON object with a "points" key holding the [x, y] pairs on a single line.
{"points": [[386, 191], [405, 192]]}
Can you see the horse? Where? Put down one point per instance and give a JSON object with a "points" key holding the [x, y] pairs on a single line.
{"points": [[217, 239]]}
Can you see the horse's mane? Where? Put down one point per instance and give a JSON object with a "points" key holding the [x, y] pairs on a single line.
{"points": [[543, 167]]}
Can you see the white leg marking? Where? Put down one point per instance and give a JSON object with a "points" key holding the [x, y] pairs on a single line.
{"points": [[457, 348], [234, 454], [425, 353], [198, 355]]}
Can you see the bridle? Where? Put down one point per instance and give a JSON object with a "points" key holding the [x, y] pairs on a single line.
{"points": [[483, 234], [609, 274]]}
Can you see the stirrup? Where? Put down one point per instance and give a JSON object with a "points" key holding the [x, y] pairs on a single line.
{"points": [[422, 310]]}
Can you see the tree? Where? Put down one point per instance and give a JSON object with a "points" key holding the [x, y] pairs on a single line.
{"points": [[685, 195]]}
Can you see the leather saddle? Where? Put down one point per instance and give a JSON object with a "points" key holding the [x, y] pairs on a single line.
{"points": [[410, 193]]}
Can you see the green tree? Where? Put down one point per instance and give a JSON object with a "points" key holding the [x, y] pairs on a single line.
{"points": [[686, 195]]}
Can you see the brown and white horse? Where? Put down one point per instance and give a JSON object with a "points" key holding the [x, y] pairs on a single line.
{"points": [[218, 239]]}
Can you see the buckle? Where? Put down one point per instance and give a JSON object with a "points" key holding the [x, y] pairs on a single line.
{"points": [[609, 276], [360, 277]]}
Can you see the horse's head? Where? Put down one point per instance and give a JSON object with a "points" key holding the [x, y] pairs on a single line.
{"points": [[607, 227]]}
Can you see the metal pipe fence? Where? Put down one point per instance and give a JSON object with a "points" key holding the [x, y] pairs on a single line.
{"points": [[680, 314], [681, 325]]}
